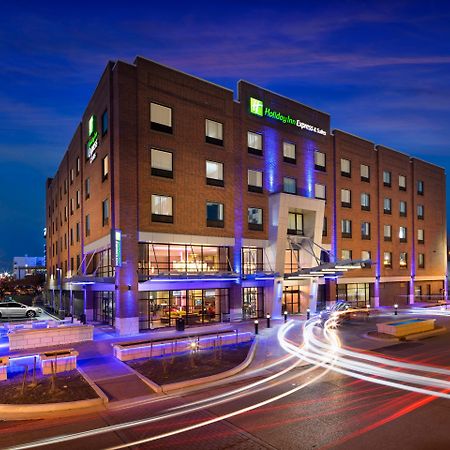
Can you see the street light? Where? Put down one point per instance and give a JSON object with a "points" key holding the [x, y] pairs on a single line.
{"points": [[285, 316], [256, 326], [395, 309], [308, 314], [268, 320]]}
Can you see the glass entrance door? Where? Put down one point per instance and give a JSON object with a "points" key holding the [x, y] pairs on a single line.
{"points": [[291, 299], [104, 310]]}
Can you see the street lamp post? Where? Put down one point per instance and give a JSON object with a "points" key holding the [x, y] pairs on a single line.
{"points": [[285, 316], [268, 320], [395, 309], [308, 314], [256, 326]]}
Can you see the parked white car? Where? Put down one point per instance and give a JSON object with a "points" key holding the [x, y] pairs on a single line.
{"points": [[10, 309]]}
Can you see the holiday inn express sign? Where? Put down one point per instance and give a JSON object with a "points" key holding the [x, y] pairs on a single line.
{"points": [[257, 108]]}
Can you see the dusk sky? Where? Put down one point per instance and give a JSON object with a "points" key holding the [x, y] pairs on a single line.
{"points": [[381, 69]]}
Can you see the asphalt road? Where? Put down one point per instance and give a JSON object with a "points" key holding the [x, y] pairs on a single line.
{"points": [[334, 411]]}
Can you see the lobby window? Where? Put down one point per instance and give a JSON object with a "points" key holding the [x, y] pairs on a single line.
{"points": [[402, 208], [420, 212], [161, 163], [365, 201], [387, 206], [325, 227], [295, 224], [387, 233], [105, 212], [346, 254], [320, 191], [213, 132], [254, 143], [346, 168], [214, 215], [387, 259], [402, 182], [346, 198], [289, 152], [252, 260], [77, 199], [162, 208], [290, 185], [346, 228], [78, 166], [254, 180], [320, 161], [402, 234], [214, 173], [160, 118], [365, 230], [387, 178], [104, 122], [87, 225], [77, 229], [105, 167], [420, 187], [365, 173], [403, 260], [255, 219], [420, 236], [87, 188], [421, 260]]}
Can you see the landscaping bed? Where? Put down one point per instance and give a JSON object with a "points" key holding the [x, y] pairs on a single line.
{"points": [[191, 365], [69, 386]]}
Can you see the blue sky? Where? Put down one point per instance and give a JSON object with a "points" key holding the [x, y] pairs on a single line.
{"points": [[381, 69]]}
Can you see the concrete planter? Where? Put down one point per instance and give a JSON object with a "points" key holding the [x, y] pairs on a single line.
{"points": [[4, 362], [62, 361], [401, 328]]}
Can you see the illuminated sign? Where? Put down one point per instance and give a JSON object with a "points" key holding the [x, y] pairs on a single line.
{"points": [[92, 142], [257, 108], [116, 238]]}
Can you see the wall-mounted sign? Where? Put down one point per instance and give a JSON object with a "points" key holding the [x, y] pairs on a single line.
{"points": [[257, 108], [92, 143], [116, 241]]}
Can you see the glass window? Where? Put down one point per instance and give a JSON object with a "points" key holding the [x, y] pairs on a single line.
{"points": [[104, 123], [365, 201], [420, 236], [387, 178], [78, 233], [320, 161], [87, 225], [105, 167], [420, 187], [162, 208], [254, 143], [252, 302], [346, 228], [402, 234], [255, 180], [255, 219], [346, 254], [160, 118], [387, 259], [214, 214], [214, 173], [252, 260], [346, 168], [290, 185], [87, 187], [365, 255], [387, 205], [214, 132], [105, 212], [402, 208], [403, 259], [77, 199], [288, 152], [420, 211], [387, 232], [365, 230], [346, 198], [77, 166], [365, 172], [402, 182], [421, 260], [295, 223], [325, 227], [320, 191], [161, 163]]}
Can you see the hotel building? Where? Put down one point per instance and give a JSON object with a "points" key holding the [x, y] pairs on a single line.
{"points": [[175, 199]]}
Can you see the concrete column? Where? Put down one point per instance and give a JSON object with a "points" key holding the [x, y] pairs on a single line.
{"points": [[313, 288], [273, 296], [411, 291], [89, 305], [376, 297]]}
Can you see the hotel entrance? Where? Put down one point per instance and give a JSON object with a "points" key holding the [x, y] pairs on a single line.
{"points": [[104, 307], [291, 299]]}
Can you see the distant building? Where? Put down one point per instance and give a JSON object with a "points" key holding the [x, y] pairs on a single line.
{"points": [[24, 266]]}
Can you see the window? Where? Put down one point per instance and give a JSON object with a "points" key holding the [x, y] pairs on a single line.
{"points": [[65, 214], [87, 188], [289, 185], [214, 173], [365, 230], [71, 236], [387, 233], [346, 198], [387, 206], [255, 180], [104, 123], [78, 166], [403, 260], [365, 255], [387, 178], [160, 118], [87, 225], [365, 173], [105, 167], [295, 224], [346, 168], [320, 191], [162, 209], [325, 227], [365, 201], [65, 186], [214, 132], [420, 187], [421, 260], [402, 234], [346, 228], [402, 208], [254, 143], [387, 259], [402, 182], [255, 219], [320, 161], [289, 152], [77, 199], [78, 233], [161, 163], [105, 212], [420, 213], [420, 236], [214, 215], [346, 254], [71, 206]]}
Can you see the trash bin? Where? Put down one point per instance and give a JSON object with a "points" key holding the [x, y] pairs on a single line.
{"points": [[179, 323]]}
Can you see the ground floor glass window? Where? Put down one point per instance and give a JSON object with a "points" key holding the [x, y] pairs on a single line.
{"points": [[356, 294], [252, 302], [291, 299], [104, 307]]}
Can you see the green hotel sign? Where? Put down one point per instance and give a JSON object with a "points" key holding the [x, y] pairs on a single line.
{"points": [[257, 108], [92, 143]]}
